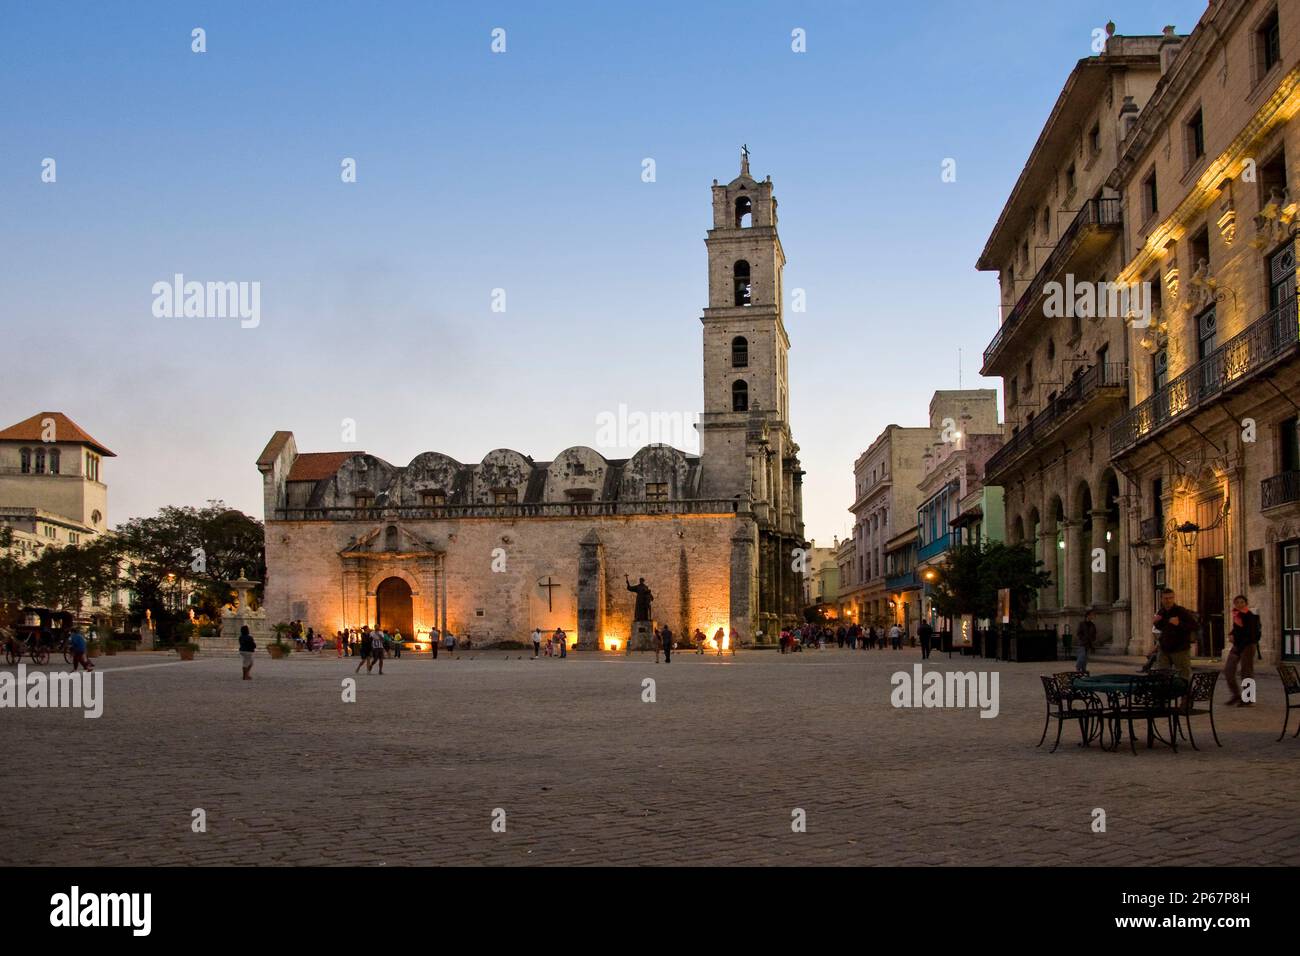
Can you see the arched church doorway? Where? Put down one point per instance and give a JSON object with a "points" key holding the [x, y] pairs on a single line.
{"points": [[393, 607]]}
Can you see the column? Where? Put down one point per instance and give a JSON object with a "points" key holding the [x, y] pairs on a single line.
{"points": [[1047, 545], [1075, 556], [1101, 580], [591, 592]]}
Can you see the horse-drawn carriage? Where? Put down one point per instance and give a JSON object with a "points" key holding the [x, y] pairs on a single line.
{"points": [[37, 633]]}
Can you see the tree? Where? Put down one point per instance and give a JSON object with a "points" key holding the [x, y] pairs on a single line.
{"points": [[969, 581], [184, 548]]}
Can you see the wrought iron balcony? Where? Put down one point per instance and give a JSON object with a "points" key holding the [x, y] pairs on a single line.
{"points": [[1283, 489], [1107, 380], [1095, 216], [1232, 364]]}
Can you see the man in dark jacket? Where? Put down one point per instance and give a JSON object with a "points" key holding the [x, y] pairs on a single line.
{"points": [[666, 636], [1175, 626], [926, 633], [1245, 645], [246, 648]]}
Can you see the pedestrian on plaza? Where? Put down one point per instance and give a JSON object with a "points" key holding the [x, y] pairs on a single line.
{"points": [[926, 633], [896, 636], [377, 651], [449, 642], [658, 642], [311, 638], [1087, 637], [247, 646], [364, 649], [1175, 626], [562, 640], [719, 638], [77, 644], [537, 642], [435, 638], [666, 636], [1246, 633], [699, 640], [339, 642]]}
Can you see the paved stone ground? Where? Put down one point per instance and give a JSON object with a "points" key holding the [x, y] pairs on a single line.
{"points": [[587, 773]]}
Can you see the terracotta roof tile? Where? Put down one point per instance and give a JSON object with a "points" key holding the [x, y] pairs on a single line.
{"points": [[315, 465], [65, 430]]}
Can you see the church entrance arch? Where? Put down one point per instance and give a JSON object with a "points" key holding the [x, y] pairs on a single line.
{"points": [[393, 607]]}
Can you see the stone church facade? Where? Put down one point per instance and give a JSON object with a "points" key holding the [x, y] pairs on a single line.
{"points": [[493, 549]]}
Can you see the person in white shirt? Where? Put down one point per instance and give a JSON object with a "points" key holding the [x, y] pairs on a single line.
{"points": [[537, 642]]}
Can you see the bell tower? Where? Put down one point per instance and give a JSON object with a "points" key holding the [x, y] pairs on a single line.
{"points": [[745, 443]]}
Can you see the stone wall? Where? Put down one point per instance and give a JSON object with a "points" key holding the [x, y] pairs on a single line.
{"points": [[686, 560]]}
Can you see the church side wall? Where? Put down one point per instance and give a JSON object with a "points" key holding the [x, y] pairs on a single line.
{"points": [[686, 560]]}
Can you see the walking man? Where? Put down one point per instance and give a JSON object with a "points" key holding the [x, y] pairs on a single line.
{"points": [[896, 636], [363, 649], [376, 651], [1246, 632], [1087, 641], [1175, 626], [926, 633], [666, 635], [77, 644], [246, 648], [562, 640], [537, 642]]}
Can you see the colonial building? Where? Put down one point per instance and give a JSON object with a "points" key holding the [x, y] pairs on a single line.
{"points": [[492, 549], [887, 478], [1210, 444], [821, 583], [1061, 348], [952, 470], [51, 489]]}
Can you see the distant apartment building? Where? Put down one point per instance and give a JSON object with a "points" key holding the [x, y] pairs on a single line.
{"points": [[887, 479], [821, 580], [1061, 348], [953, 472]]}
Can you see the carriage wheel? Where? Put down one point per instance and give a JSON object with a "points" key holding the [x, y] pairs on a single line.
{"points": [[12, 656], [40, 655], [67, 653]]}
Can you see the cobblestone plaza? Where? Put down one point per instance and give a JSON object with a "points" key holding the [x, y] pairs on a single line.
{"points": [[587, 772]]}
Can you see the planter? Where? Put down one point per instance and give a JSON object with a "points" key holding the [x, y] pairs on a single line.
{"points": [[93, 651], [185, 653], [110, 651], [276, 652]]}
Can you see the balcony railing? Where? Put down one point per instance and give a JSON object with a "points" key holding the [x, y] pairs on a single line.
{"points": [[1283, 489], [901, 582], [1238, 359], [541, 509], [1074, 396], [1095, 213]]}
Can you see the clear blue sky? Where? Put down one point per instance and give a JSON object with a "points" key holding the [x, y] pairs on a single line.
{"points": [[478, 171]]}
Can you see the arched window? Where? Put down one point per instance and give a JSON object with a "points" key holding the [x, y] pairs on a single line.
{"points": [[54, 461], [25, 455], [40, 461], [740, 352], [740, 272], [739, 396], [744, 208]]}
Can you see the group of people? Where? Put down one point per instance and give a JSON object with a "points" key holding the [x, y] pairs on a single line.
{"points": [[1173, 628], [854, 637], [557, 643]]}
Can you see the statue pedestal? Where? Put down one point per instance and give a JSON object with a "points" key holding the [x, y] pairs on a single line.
{"points": [[642, 637], [146, 638]]}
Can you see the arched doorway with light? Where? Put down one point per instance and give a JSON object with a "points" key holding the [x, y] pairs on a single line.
{"points": [[393, 607]]}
